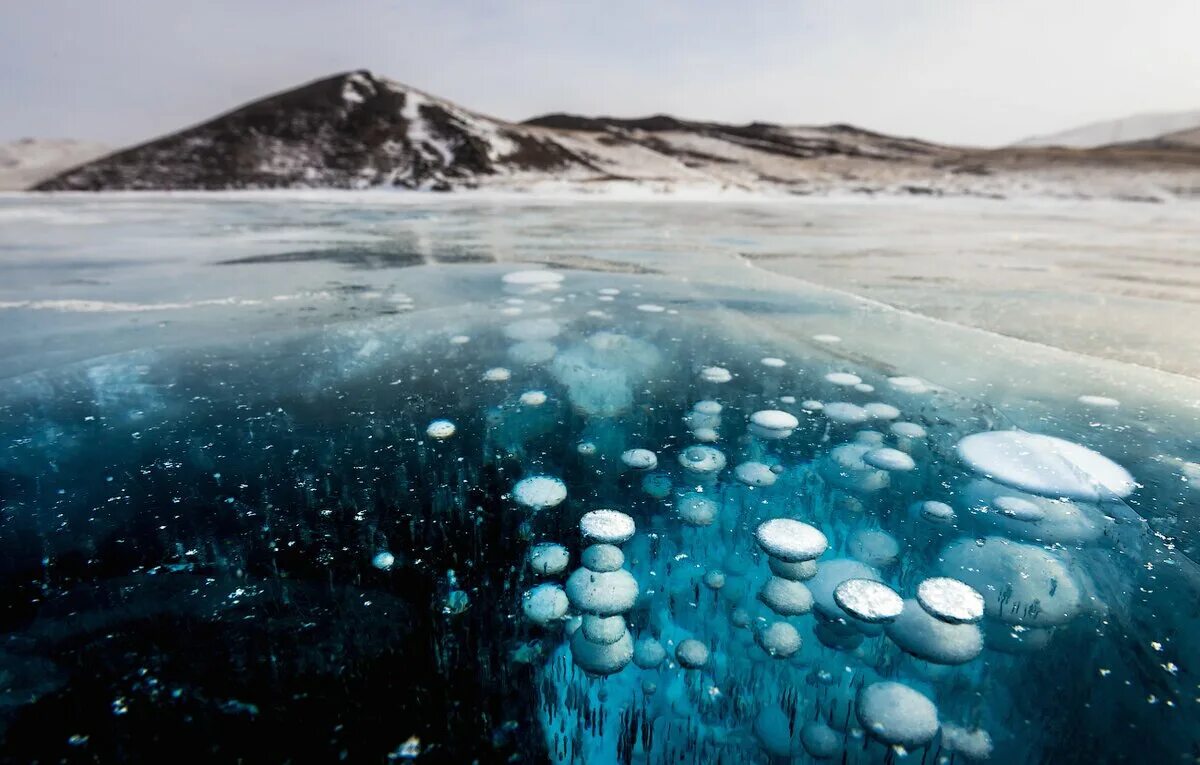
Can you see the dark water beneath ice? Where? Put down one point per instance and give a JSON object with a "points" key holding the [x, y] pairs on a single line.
{"points": [[213, 419]]}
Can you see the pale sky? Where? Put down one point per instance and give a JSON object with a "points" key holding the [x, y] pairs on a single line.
{"points": [[963, 71]]}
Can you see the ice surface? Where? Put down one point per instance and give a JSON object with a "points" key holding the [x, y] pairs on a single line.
{"points": [[237, 517]]}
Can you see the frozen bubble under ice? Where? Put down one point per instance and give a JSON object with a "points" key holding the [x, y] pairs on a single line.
{"points": [[1044, 465], [544, 603], [540, 491], [790, 540], [691, 654], [549, 558], [604, 593], [950, 600], [894, 713], [868, 600], [610, 526], [778, 639], [786, 597], [640, 459], [602, 558]]}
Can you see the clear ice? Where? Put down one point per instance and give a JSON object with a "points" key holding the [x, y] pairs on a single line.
{"points": [[515, 512]]}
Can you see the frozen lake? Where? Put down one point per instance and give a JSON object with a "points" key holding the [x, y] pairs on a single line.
{"points": [[234, 522]]}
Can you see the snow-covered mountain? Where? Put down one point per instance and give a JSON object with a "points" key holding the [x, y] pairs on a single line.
{"points": [[29, 160], [358, 130], [1138, 127]]}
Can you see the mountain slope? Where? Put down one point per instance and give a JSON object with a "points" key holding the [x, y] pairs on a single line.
{"points": [[1138, 127], [358, 130], [30, 160], [350, 130]]}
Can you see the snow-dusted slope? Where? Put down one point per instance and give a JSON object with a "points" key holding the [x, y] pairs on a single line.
{"points": [[29, 160], [1139, 127], [352, 130], [358, 130]]}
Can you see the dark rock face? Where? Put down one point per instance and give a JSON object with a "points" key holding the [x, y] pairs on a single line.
{"points": [[349, 131]]}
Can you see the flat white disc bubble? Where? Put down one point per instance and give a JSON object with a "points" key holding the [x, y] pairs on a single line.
{"points": [[843, 378], [827, 338], [602, 558], [1020, 583], [497, 374], [585, 449], [649, 653], [540, 491], [603, 629], [790, 540], [542, 328], [1018, 509], [549, 558], [892, 460], [778, 639], [601, 658], [909, 384], [868, 600], [715, 375], [610, 526], [706, 435], [696, 509], [544, 603], [640, 459], [440, 429], [774, 420], [896, 714], [708, 407], [533, 398], [811, 405], [702, 459], [845, 413], [786, 597], [691, 654], [1028, 517], [771, 361], [934, 513], [950, 600], [880, 411], [755, 474], [604, 593], [830, 574], [798, 571], [1045, 465], [907, 430], [925, 636], [974, 744]]}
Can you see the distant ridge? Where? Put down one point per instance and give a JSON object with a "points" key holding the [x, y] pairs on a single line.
{"points": [[1135, 128], [359, 130], [28, 160]]}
